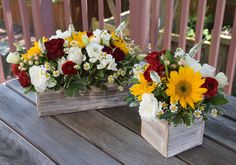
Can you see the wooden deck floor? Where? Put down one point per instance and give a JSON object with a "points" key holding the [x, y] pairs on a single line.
{"points": [[106, 136]]}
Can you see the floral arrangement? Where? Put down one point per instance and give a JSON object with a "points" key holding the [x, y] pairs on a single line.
{"points": [[176, 88], [72, 61]]}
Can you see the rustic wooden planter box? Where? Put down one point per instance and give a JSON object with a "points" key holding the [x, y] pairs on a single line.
{"points": [[170, 140], [52, 103]]}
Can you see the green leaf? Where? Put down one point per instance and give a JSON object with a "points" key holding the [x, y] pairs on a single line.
{"points": [[218, 100], [167, 115]]}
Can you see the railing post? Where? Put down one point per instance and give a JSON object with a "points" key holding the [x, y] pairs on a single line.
{"points": [[9, 24], [37, 19], [25, 22], [47, 17], [140, 22], [67, 12]]}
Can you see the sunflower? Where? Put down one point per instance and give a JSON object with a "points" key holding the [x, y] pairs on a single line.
{"points": [[143, 87], [185, 86], [119, 43]]}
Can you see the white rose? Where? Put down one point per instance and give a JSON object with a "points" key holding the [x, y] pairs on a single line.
{"points": [[38, 78], [75, 55], [60, 62], [208, 71], [105, 36], [191, 62], [13, 58], [149, 106], [222, 79], [94, 50]]}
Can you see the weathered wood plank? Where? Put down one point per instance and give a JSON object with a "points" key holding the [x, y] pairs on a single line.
{"points": [[14, 149], [113, 138], [52, 138], [207, 154], [222, 130], [230, 108]]}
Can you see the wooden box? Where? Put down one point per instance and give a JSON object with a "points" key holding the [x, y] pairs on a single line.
{"points": [[170, 140], [52, 103]]}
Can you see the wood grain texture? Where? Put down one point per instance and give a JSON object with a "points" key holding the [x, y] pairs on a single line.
{"points": [[222, 130], [113, 138], [170, 140], [48, 135], [15, 150], [230, 108], [208, 153], [52, 103]]}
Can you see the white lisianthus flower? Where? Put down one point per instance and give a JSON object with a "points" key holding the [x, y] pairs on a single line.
{"points": [[75, 55], [65, 34], [208, 71], [38, 78], [112, 66], [96, 36], [149, 107], [105, 37], [13, 58], [191, 62], [60, 62], [222, 79], [94, 50]]}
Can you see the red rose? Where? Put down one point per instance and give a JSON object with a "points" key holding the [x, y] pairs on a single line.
{"points": [[68, 68], [154, 57], [24, 79], [54, 48], [117, 53], [14, 69], [211, 85], [159, 68]]}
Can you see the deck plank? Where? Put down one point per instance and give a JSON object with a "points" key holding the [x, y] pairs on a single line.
{"points": [[120, 142], [52, 138], [14, 149], [205, 154]]}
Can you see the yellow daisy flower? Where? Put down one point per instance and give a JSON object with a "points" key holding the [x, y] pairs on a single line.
{"points": [[185, 86], [143, 87], [34, 50]]}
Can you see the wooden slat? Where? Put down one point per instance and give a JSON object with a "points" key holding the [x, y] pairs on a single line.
{"points": [[84, 7], [183, 23], [155, 11], [231, 59], [48, 135], [67, 12], [117, 12], [229, 109], [208, 153], [222, 130], [37, 19], [201, 11], [168, 24], [14, 149], [47, 17], [25, 22], [9, 24], [2, 76], [121, 143], [134, 20], [215, 40], [101, 13]]}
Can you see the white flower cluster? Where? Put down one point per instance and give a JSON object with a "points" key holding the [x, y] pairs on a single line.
{"points": [[205, 69]]}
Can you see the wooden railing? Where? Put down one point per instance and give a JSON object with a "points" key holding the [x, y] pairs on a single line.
{"points": [[143, 25]]}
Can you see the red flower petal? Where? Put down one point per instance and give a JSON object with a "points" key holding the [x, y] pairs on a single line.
{"points": [[24, 79], [211, 85], [68, 68]]}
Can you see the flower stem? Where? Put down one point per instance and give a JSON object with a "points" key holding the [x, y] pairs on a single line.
{"points": [[166, 70]]}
